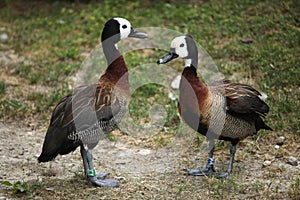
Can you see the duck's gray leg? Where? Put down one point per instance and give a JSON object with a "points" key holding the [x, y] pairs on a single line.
{"points": [[90, 172], [84, 159], [230, 166], [209, 169]]}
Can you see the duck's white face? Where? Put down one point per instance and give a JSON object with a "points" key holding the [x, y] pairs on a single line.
{"points": [[125, 27], [180, 46]]}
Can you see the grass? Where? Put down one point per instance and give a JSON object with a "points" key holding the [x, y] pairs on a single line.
{"points": [[24, 187], [295, 188], [54, 38], [60, 35]]}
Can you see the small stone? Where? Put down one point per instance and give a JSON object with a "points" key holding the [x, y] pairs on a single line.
{"points": [[269, 157], [292, 161], [144, 152], [280, 140], [267, 163], [247, 40], [3, 37], [277, 146], [50, 188]]}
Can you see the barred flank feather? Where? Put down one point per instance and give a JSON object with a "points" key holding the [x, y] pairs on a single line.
{"points": [[96, 132]]}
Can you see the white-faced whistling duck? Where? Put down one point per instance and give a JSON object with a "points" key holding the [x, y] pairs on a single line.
{"points": [[222, 110], [84, 116]]}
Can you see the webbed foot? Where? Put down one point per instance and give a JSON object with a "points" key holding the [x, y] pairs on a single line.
{"points": [[224, 175], [99, 180], [101, 175], [209, 170]]}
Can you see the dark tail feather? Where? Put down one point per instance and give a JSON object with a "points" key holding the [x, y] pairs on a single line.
{"points": [[46, 158], [266, 127], [52, 143], [56, 142], [260, 124]]}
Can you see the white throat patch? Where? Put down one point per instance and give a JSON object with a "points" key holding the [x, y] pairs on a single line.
{"points": [[125, 27], [188, 62]]}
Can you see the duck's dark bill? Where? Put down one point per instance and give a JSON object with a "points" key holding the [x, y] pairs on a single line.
{"points": [[170, 56], [136, 34]]}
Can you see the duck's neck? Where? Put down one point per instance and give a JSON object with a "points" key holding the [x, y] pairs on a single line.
{"points": [[190, 74], [111, 51], [116, 71], [192, 89], [191, 64]]}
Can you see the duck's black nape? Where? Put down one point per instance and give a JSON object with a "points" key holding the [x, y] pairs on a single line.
{"points": [[111, 28], [192, 50]]}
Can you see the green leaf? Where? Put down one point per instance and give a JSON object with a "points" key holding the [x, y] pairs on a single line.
{"points": [[7, 183]]}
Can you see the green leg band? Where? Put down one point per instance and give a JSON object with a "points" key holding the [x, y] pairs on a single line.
{"points": [[92, 172]]}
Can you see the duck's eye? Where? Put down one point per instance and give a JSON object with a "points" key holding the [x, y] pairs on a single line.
{"points": [[181, 45], [124, 26]]}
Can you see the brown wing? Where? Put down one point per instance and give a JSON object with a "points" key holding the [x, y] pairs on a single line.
{"points": [[86, 105], [242, 98]]}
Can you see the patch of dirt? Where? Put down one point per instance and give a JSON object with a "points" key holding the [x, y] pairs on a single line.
{"points": [[136, 165]]}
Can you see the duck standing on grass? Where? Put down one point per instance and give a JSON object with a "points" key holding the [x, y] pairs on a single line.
{"points": [[84, 116], [223, 110]]}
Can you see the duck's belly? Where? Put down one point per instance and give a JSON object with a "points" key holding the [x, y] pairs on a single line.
{"points": [[237, 128]]}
